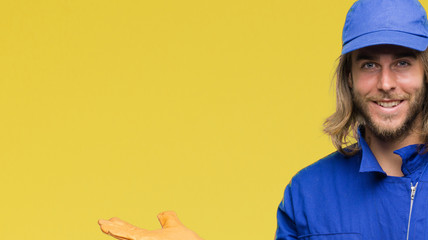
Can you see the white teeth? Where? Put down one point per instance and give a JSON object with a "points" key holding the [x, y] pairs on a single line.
{"points": [[388, 104]]}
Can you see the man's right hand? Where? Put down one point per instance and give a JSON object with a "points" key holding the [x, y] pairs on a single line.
{"points": [[172, 229]]}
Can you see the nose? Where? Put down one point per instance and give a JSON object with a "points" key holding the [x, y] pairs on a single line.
{"points": [[387, 81]]}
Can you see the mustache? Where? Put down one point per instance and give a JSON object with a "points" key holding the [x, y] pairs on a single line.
{"points": [[387, 96]]}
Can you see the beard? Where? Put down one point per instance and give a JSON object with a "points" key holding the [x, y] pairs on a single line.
{"points": [[385, 133]]}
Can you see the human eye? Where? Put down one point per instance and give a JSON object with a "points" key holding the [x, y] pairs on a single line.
{"points": [[368, 65], [403, 63]]}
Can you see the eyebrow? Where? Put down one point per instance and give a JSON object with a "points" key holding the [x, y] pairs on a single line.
{"points": [[410, 54], [365, 56]]}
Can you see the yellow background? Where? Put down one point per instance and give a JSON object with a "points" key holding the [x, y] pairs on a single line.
{"points": [[130, 108]]}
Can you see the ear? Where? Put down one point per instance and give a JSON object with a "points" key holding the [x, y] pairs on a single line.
{"points": [[350, 80]]}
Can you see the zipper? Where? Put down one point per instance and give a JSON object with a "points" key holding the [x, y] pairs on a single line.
{"points": [[412, 197]]}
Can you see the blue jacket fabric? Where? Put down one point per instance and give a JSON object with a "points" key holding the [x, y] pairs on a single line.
{"points": [[350, 198]]}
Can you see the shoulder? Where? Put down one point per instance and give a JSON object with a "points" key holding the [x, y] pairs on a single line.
{"points": [[321, 180], [331, 162], [332, 169]]}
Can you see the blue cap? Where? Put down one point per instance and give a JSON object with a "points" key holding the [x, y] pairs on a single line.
{"points": [[396, 22]]}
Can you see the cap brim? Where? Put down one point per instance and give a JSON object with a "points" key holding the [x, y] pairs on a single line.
{"points": [[412, 41]]}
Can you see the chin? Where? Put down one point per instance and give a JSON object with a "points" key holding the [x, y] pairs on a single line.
{"points": [[389, 127], [389, 132]]}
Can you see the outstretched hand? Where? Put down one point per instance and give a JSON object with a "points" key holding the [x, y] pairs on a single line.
{"points": [[172, 229]]}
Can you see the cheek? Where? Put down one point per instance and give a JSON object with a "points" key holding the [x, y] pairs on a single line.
{"points": [[410, 85], [363, 83], [364, 87], [412, 80]]}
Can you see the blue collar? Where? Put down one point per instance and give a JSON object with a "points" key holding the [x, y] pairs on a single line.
{"points": [[412, 159]]}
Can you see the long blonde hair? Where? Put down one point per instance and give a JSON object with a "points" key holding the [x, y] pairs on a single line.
{"points": [[343, 124]]}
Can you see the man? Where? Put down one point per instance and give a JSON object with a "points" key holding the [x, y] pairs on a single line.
{"points": [[376, 188]]}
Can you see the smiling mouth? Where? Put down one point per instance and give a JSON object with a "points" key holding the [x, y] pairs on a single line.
{"points": [[388, 104]]}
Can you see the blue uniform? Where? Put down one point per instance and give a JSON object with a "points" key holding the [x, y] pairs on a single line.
{"points": [[351, 198]]}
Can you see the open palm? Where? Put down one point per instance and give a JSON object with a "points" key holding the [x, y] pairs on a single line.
{"points": [[172, 229]]}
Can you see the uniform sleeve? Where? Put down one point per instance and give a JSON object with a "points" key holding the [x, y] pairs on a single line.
{"points": [[286, 226]]}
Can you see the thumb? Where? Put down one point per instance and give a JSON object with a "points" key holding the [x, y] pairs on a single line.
{"points": [[169, 219]]}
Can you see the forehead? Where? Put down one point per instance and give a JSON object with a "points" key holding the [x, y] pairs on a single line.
{"points": [[376, 51]]}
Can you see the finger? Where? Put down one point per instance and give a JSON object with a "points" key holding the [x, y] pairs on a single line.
{"points": [[120, 222], [120, 229], [169, 219], [117, 231], [125, 225], [118, 237], [121, 237], [104, 225]]}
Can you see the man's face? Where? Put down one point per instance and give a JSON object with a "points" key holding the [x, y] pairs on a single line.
{"points": [[388, 89]]}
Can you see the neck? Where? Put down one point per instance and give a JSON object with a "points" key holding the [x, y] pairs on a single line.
{"points": [[384, 150]]}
